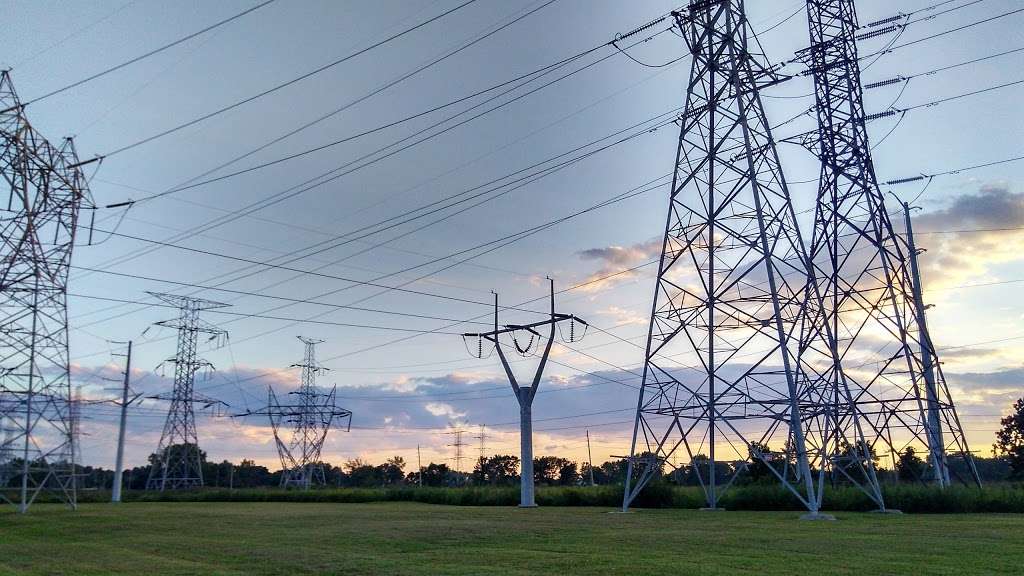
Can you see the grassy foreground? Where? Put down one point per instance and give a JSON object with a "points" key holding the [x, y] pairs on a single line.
{"points": [[413, 538]]}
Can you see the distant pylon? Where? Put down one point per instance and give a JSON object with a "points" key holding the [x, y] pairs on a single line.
{"points": [[730, 282], [482, 437], [311, 416], [45, 190], [178, 463], [458, 445], [879, 386]]}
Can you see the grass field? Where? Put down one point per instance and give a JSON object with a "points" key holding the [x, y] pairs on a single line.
{"points": [[412, 538]]}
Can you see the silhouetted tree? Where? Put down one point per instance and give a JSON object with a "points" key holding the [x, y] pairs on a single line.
{"points": [[548, 469], [1009, 444], [362, 475], [498, 470], [391, 472], [910, 467], [436, 474]]}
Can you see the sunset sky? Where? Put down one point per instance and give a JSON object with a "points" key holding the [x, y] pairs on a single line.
{"points": [[405, 386]]}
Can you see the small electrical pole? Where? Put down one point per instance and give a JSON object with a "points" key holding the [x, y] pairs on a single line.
{"points": [[419, 465], [526, 394], [590, 459], [115, 492], [231, 476], [933, 421]]}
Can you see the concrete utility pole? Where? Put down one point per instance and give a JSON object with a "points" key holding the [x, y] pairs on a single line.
{"points": [[419, 465], [932, 419], [115, 493], [526, 394], [590, 459]]}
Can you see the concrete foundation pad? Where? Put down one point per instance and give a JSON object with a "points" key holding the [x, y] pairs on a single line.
{"points": [[817, 516], [887, 511], [621, 512], [527, 506], [712, 509]]}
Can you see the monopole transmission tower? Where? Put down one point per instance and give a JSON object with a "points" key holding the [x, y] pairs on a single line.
{"points": [[526, 393], [44, 194]]}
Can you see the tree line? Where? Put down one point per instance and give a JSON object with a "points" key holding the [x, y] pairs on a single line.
{"points": [[503, 469]]}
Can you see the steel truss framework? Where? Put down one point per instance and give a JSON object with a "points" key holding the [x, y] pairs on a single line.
{"points": [[45, 190], [879, 387], [179, 462], [311, 416], [730, 283]]}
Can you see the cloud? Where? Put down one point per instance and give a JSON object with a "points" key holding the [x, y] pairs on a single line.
{"points": [[617, 261], [445, 410], [624, 316], [957, 255]]}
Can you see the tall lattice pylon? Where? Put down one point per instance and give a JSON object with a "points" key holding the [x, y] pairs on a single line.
{"points": [[730, 283], [178, 459], [45, 191], [307, 419], [880, 384]]}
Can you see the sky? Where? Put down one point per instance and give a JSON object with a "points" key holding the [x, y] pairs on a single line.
{"points": [[406, 387]]}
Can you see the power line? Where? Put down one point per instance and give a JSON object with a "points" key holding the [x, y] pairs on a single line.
{"points": [[647, 187], [959, 96], [948, 172], [77, 32], [943, 33], [338, 172], [530, 177], [148, 54], [189, 184], [282, 85], [266, 317], [529, 77], [255, 294]]}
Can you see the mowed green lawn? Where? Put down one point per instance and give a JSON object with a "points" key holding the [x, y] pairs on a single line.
{"points": [[410, 538]]}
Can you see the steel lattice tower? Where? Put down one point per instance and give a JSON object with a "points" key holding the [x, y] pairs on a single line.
{"points": [[179, 464], [311, 416], [730, 282], [880, 383], [38, 224]]}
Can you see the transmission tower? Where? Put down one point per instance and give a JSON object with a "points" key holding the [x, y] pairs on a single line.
{"points": [[730, 283], [179, 463], [876, 379], [46, 190], [458, 445], [482, 437], [310, 416], [526, 394]]}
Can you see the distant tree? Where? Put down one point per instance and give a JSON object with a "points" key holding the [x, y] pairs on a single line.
{"points": [[611, 472], [173, 451], [362, 475], [910, 467], [497, 470], [758, 470], [568, 474], [850, 459], [1009, 444], [392, 472], [436, 474], [548, 469]]}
